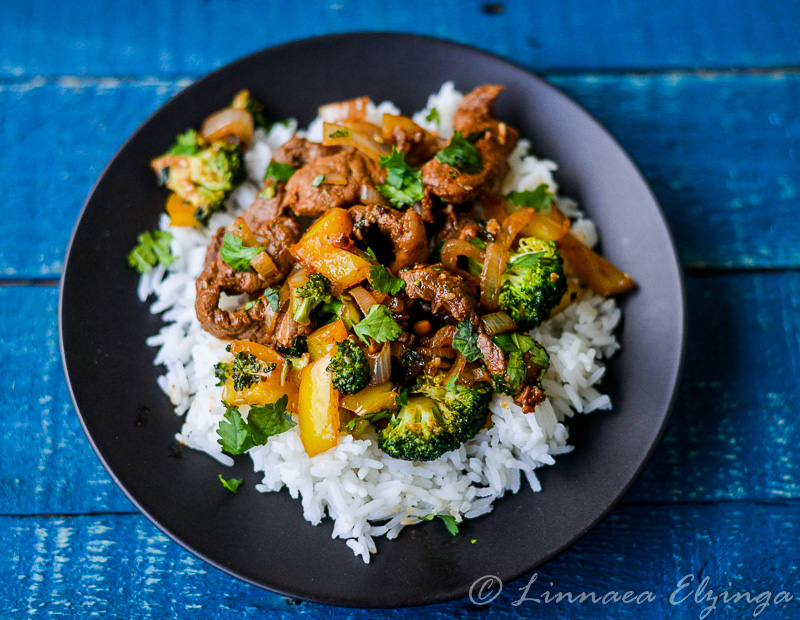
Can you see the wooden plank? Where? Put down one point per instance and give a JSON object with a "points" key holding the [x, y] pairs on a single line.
{"points": [[120, 566], [152, 37], [720, 151], [733, 434]]}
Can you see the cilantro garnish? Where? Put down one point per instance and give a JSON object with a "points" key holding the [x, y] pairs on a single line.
{"points": [[403, 186], [433, 116], [278, 171], [515, 371], [237, 255], [369, 417], [371, 254], [153, 247], [185, 144], [465, 340], [273, 299], [232, 485], [514, 342], [461, 154], [378, 325], [449, 522], [537, 199], [528, 260], [237, 436], [383, 280]]}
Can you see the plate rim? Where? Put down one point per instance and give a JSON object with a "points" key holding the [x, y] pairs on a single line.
{"points": [[464, 590]]}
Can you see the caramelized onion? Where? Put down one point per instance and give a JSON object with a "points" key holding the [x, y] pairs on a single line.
{"points": [[340, 110], [455, 371], [363, 298], [493, 267], [497, 322], [242, 230], [334, 178], [444, 337], [264, 265], [228, 122], [546, 228], [380, 365], [371, 196], [334, 134], [454, 248], [448, 352]]}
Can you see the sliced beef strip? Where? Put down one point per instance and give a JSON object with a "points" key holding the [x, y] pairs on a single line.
{"points": [[404, 230], [449, 295], [278, 236], [304, 198], [474, 114]]}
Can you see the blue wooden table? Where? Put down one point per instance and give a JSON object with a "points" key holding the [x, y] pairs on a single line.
{"points": [[705, 95]]}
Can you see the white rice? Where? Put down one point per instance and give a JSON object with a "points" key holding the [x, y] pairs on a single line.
{"points": [[364, 491]]}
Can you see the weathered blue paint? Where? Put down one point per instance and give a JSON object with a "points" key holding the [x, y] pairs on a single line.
{"points": [[192, 37], [721, 151], [120, 566]]}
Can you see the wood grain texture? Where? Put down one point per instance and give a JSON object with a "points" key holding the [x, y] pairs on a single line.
{"points": [[733, 434], [120, 566], [151, 37], [721, 152]]}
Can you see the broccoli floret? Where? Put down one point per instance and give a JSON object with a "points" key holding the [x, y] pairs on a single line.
{"points": [[307, 297], [533, 282], [435, 420], [349, 367], [298, 347], [249, 370], [200, 173], [222, 371]]}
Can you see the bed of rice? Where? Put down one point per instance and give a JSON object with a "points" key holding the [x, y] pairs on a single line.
{"points": [[365, 492]]}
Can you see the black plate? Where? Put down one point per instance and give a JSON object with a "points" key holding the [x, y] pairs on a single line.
{"points": [[263, 538]]}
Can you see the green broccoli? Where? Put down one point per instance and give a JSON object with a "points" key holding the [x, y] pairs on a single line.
{"points": [[349, 367], [533, 282], [249, 370], [435, 420], [296, 349], [200, 173], [307, 297]]}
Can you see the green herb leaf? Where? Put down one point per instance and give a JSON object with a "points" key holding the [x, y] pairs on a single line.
{"points": [[185, 144], [515, 371], [318, 180], [402, 397], [234, 436], [237, 255], [250, 304], [403, 186], [514, 342], [465, 340], [433, 116], [273, 299], [383, 280], [448, 520], [369, 417], [278, 171], [371, 254], [378, 325], [538, 198], [153, 248], [264, 421], [461, 154], [339, 133], [232, 485], [529, 260], [450, 386], [473, 541]]}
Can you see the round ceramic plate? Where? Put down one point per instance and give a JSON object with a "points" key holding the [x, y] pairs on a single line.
{"points": [[263, 538]]}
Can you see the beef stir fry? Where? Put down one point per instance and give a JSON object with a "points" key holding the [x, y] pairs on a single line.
{"points": [[389, 283]]}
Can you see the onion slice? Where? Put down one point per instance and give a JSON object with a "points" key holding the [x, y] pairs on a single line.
{"points": [[228, 122], [371, 196], [363, 298], [497, 322], [334, 134], [380, 365], [453, 248], [448, 352], [264, 265], [455, 371], [443, 337], [493, 267]]}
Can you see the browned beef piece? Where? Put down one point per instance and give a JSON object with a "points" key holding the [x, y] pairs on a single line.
{"points": [[304, 198], [475, 114], [449, 295], [456, 227], [218, 277], [269, 203], [405, 231], [417, 144], [491, 355], [528, 396], [278, 236]]}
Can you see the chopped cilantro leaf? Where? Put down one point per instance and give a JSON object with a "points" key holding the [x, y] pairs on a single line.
{"points": [[185, 144], [433, 116], [537, 199], [263, 421], [451, 383], [529, 260], [233, 433], [237, 255], [369, 417], [250, 304], [378, 325], [449, 522], [403, 186], [232, 485], [371, 254], [153, 247], [461, 154], [515, 371], [383, 280], [402, 397], [278, 171], [514, 342], [273, 299], [465, 340]]}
